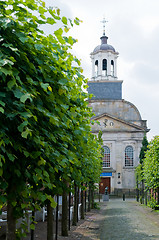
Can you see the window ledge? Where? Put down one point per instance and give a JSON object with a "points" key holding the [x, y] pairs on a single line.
{"points": [[129, 167], [108, 169]]}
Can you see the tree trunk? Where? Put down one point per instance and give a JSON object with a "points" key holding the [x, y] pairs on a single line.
{"points": [[157, 196], [86, 199], [137, 195], [49, 221], [74, 221], [142, 192], [11, 223], [82, 204], [92, 198], [89, 198], [99, 193], [32, 230], [57, 209], [140, 195], [149, 195], [64, 227], [146, 198], [77, 202], [137, 190], [69, 216]]}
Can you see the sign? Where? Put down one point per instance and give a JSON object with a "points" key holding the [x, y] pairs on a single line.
{"points": [[106, 174]]}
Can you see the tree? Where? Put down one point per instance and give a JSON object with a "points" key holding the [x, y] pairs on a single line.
{"points": [[151, 166], [142, 156], [44, 117], [143, 149]]}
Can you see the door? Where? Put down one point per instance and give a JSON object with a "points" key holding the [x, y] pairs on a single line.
{"points": [[104, 182]]}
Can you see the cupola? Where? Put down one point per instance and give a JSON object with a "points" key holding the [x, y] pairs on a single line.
{"points": [[104, 84], [104, 60]]}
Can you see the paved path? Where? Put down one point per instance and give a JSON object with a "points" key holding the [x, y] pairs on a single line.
{"points": [[128, 221]]}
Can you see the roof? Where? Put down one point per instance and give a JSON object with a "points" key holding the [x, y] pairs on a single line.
{"points": [[104, 45], [118, 108]]}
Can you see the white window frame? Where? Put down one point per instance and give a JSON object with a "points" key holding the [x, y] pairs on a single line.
{"points": [[106, 158], [129, 156]]}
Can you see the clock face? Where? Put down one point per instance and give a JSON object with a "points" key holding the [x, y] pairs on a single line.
{"points": [[108, 123]]}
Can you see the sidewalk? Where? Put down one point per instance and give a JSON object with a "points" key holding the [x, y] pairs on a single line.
{"points": [[86, 229]]}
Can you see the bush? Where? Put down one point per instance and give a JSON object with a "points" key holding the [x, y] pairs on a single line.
{"points": [[96, 206], [152, 203]]}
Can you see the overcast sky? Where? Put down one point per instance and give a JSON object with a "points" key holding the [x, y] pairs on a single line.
{"points": [[133, 30]]}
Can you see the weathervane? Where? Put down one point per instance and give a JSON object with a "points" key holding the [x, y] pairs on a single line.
{"points": [[104, 21]]}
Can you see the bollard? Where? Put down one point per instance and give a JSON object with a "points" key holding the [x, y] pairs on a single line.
{"points": [[123, 196], [106, 195]]}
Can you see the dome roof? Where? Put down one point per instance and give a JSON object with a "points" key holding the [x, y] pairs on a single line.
{"points": [[104, 45], [128, 111]]}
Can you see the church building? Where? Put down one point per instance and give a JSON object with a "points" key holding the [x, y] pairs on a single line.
{"points": [[119, 120]]}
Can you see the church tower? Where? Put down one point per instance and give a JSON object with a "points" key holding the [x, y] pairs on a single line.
{"points": [[104, 61], [119, 120], [104, 81]]}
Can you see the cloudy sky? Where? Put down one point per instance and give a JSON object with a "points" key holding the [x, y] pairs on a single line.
{"points": [[133, 30]]}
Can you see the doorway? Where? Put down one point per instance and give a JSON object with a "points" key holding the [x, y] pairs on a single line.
{"points": [[104, 182]]}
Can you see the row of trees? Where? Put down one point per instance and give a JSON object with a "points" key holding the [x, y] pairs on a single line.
{"points": [[46, 144], [147, 173]]}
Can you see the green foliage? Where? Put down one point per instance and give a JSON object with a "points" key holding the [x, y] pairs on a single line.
{"points": [[151, 164], [139, 173], [44, 116], [139, 168], [143, 149], [96, 206], [152, 203]]}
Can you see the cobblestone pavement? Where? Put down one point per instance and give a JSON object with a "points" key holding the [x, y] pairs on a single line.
{"points": [[116, 220], [128, 220]]}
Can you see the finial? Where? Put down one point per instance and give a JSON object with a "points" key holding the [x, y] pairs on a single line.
{"points": [[104, 21]]}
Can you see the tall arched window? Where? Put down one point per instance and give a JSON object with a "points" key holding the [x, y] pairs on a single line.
{"points": [[129, 156], [112, 68], [106, 158], [96, 68], [104, 67]]}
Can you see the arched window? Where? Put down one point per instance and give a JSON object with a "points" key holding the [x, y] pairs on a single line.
{"points": [[104, 67], [129, 158], [112, 68], [96, 68], [106, 158]]}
